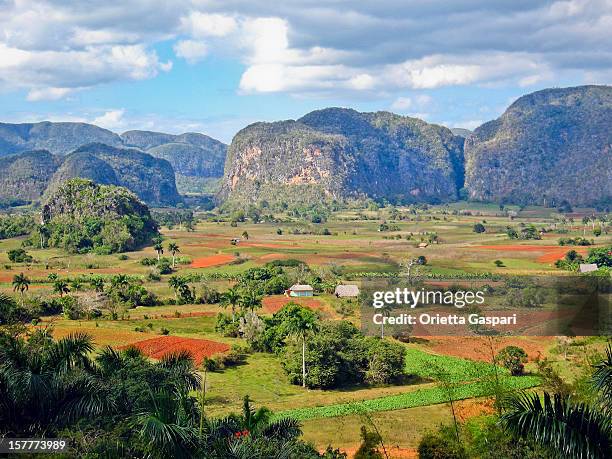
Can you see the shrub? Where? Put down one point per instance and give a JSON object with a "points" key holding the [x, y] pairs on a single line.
{"points": [[440, 446], [369, 445], [164, 266], [225, 326], [478, 228], [19, 256], [513, 358]]}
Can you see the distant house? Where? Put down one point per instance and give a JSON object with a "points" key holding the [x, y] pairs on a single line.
{"points": [[588, 267], [422, 245], [346, 291], [300, 290]]}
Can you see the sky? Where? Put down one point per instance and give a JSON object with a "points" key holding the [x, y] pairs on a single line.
{"points": [[215, 66]]}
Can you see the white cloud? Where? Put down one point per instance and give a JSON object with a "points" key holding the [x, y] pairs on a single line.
{"points": [[190, 50], [112, 119], [201, 25], [47, 93], [307, 47]]}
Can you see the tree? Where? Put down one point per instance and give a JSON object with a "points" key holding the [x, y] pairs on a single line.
{"points": [[158, 246], [120, 283], [369, 445], [302, 322], [572, 429], [174, 249], [479, 228], [513, 358], [60, 286], [177, 284], [21, 283], [42, 383], [97, 283], [43, 234], [245, 235], [19, 256], [231, 298], [250, 300]]}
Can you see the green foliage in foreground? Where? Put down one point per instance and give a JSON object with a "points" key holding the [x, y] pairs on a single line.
{"points": [[420, 397]]}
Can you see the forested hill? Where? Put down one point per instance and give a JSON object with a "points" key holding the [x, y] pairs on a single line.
{"points": [[28, 176], [196, 158], [550, 146]]}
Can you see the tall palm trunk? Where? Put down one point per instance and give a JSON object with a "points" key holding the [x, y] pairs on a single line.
{"points": [[303, 360]]}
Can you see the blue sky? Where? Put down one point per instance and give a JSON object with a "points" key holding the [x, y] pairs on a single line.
{"points": [[216, 66]]}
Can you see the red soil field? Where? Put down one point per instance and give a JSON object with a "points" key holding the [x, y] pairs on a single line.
{"points": [[394, 452], [273, 304], [469, 408], [550, 253], [212, 260], [198, 348], [273, 256], [477, 348]]}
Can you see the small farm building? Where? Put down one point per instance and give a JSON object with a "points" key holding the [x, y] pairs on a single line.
{"points": [[347, 291], [300, 290]]}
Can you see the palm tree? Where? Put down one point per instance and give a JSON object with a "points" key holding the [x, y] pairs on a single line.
{"points": [[120, 282], [177, 284], [44, 383], [602, 380], [250, 300], [43, 233], [76, 285], [158, 247], [302, 322], [97, 283], [173, 248], [21, 283], [60, 286], [573, 429], [231, 298], [165, 425]]}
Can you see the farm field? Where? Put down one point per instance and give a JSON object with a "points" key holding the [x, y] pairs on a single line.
{"points": [[354, 245]]}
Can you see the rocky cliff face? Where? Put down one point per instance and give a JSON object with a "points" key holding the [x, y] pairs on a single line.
{"points": [[549, 146], [339, 153]]}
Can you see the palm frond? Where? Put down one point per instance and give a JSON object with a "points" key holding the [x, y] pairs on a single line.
{"points": [[574, 430], [602, 379], [282, 429]]}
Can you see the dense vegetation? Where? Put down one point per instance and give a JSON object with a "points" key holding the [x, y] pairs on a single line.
{"points": [[548, 147], [82, 216], [119, 404]]}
